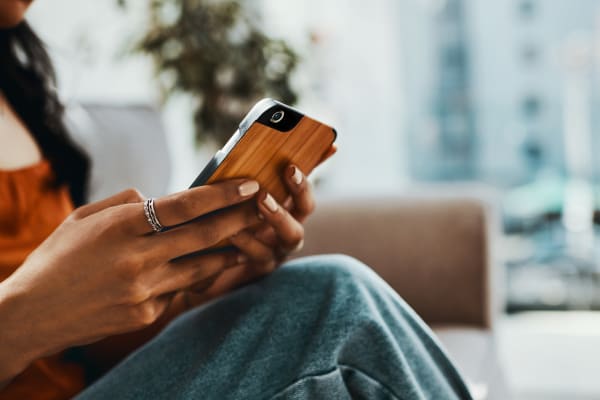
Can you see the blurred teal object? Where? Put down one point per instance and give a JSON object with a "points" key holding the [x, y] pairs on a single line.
{"points": [[541, 197]]}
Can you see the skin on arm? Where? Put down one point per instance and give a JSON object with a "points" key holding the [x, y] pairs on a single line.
{"points": [[102, 272]]}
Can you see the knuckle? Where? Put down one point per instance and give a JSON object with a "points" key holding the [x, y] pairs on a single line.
{"points": [[186, 207], [145, 313], [136, 294], [228, 193], [133, 194], [267, 267], [117, 220], [110, 220], [241, 238], [250, 216], [75, 215], [123, 220], [208, 233]]}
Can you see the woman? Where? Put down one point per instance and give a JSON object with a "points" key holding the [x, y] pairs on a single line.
{"points": [[105, 280]]}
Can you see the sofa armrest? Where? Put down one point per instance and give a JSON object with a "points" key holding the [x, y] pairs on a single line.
{"points": [[433, 252]]}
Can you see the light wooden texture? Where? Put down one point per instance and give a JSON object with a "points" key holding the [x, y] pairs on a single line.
{"points": [[263, 153]]}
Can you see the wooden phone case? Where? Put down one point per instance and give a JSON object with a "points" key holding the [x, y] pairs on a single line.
{"points": [[261, 152]]}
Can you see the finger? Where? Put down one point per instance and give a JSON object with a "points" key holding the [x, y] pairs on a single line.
{"points": [[269, 238], [201, 234], [253, 248], [289, 231], [149, 311], [186, 272], [235, 277], [178, 208], [267, 235], [288, 203], [124, 197], [205, 284], [301, 191]]}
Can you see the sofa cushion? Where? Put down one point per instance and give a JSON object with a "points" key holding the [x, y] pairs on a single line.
{"points": [[474, 352], [126, 144], [432, 251]]}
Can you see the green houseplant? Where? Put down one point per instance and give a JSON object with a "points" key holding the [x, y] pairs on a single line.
{"points": [[215, 51]]}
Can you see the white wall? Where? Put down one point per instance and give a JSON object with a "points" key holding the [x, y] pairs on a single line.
{"points": [[90, 43], [350, 78]]}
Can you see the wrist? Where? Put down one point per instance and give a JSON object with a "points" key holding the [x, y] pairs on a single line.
{"points": [[17, 350]]}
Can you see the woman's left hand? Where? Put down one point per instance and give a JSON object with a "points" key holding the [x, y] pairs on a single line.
{"points": [[281, 234]]}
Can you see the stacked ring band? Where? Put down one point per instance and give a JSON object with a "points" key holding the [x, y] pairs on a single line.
{"points": [[150, 213]]}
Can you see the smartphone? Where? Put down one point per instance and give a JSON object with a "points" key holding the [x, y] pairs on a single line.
{"points": [[272, 136]]}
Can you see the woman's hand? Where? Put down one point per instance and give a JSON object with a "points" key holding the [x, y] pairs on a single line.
{"points": [[104, 272], [280, 234]]}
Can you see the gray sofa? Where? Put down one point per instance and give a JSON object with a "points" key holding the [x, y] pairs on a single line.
{"points": [[433, 250]]}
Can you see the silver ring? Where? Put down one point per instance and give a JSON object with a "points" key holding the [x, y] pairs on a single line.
{"points": [[150, 213]]}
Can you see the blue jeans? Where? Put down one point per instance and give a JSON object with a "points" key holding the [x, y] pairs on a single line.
{"points": [[324, 327]]}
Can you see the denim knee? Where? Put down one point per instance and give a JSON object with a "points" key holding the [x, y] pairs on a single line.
{"points": [[334, 268]]}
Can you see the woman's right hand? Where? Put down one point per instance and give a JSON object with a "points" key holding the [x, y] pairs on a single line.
{"points": [[103, 271]]}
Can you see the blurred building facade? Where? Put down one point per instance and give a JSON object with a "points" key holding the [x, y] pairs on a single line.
{"points": [[486, 84]]}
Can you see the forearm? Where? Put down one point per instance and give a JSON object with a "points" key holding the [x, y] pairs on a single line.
{"points": [[17, 346]]}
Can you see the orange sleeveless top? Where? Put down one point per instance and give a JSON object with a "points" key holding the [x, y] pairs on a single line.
{"points": [[29, 211]]}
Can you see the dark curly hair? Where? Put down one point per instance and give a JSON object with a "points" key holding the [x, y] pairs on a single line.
{"points": [[28, 81]]}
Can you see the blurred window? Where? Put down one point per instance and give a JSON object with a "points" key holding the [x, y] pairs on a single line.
{"points": [[528, 9], [531, 106], [530, 54], [454, 57], [452, 10]]}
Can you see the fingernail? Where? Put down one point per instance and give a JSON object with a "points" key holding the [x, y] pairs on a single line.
{"points": [[248, 188], [297, 176], [299, 246], [270, 203], [241, 258]]}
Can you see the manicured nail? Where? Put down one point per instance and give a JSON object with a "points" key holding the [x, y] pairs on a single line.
{"points": [[270, 203], [299, 246], [248, 188], [297, 176]]}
